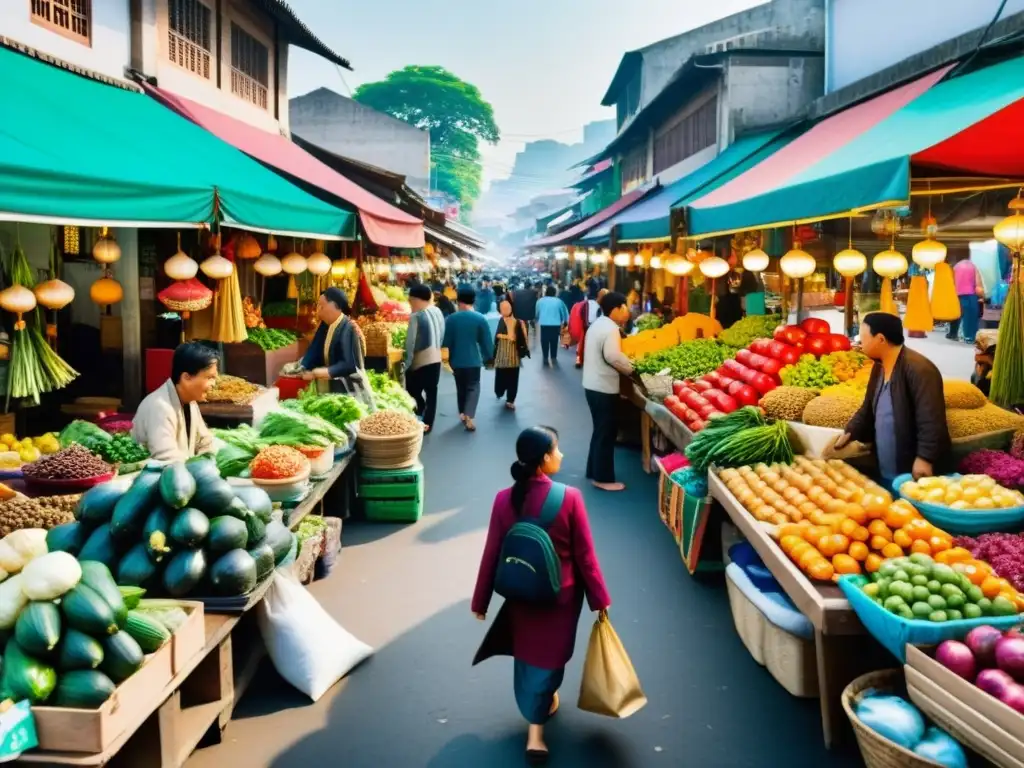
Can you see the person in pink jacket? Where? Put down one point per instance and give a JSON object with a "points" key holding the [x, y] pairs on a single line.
{"points": [[539, 636]]}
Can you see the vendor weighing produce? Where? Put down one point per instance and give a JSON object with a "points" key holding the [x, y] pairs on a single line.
{"points": [[904, 411], [168, 422], [334, 359]]}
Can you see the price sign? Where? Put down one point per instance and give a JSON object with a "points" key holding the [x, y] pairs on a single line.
{"points": [[17, 731]]}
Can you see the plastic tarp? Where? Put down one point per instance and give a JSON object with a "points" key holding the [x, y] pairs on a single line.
{"points": [[77, 150], [861, 158], [384, 223]]}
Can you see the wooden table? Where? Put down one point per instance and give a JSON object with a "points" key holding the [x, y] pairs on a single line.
{"points": [[843, 648]]}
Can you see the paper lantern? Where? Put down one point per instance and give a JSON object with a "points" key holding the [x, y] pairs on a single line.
{"points": [[678, 266], [638, 260], [919, 312], [247, 247], [18, 300], [294, 263], [797, 264], [267, 265], [561, 255], [623, 259], [216, 267], [929, 226], [318, 263], [106, 291], [186, 296], [945, 303], [850, 262], [655, 262], [889, 263], [755, 260], [599, 257], [54, 294], [1010, 231], [928, 253], [713, 267], [181, 266], [106, 250]]}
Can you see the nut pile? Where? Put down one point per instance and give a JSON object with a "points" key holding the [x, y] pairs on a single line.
{"points": [[834, 412], [787, 402], [72, 463], [965, 422], [389, 424], [43, 512], [232, 389], [962, 394]]}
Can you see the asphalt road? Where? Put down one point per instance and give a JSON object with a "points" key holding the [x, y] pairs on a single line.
{"points": [[405, 590]]}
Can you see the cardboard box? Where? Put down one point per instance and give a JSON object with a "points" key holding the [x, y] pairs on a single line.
{"points": [[970, 715]]}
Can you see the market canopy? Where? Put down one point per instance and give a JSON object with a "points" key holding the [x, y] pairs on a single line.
{"points": [[74, 150], [573, 234], [649, 220], [861, 158], [384, 223]]}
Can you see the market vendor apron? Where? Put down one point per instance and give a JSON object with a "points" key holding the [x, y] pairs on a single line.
{"points": [[357, 384]]}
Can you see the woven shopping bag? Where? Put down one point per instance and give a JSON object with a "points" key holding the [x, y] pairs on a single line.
{"points": [[610, 686]]}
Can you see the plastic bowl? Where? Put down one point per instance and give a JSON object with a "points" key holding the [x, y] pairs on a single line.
{"points": [[64, 487], [287, 490], [970, 522]]}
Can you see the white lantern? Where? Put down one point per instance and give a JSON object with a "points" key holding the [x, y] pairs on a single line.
{"points": [[850, 262], [678, 266], [755, 260], [797, 264], [293, 264], [267, 265], [638, 260], [216, 267], [181, 266], [54, 294], [928, 253], [318, 263], [599, 257], [106, 250], [714, 267], [889, 263], [622, 259], [655, 262], [561, 255]]}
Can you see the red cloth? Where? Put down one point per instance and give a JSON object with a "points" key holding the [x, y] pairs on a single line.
{"points": [[545, 635]]}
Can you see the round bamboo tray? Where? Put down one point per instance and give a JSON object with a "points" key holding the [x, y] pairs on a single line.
{"points": [[392, 452], [878, 751]]}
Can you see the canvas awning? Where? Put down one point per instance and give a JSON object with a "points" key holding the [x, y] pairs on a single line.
{"points": [[861, 158], [383, 223], [74, 150], [574, 233]]}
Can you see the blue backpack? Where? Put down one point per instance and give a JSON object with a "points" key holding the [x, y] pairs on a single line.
{"points": [[529, 569]]}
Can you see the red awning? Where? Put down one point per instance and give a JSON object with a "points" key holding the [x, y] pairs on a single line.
{"points": [[562, 238], [384, 223]]}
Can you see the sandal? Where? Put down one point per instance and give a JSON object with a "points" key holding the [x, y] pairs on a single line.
{"points": [[537, 756], [470, 426], [510, 406]]}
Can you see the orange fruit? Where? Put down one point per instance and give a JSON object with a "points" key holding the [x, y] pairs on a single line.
{"points": [[939, 543], [990, 587], [859, 551], [919, 528], [975, 574], [845, 564], [902, 538], [788, 541], [813, 533], [790, 529], [848, 526], [861, 534], [920, 546], [892, 550], [878, 543], [797, 549], [959, 555], [879, 528], [856, 513], [873, 562], [875, 506], [897, 516], [808, 557], [833, 544], [821, 570]]}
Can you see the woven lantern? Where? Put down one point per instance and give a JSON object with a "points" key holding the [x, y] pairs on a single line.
{"points": [[186, 296], [797, 263], [678, 266], [1010, 231], [247, 247], [294, 263], [54, 294], [755, 260], [850, 262], [18, 300], [181, 266], [267, 265], [106, 250], [106, 291], [216, 267], [318, 263]]}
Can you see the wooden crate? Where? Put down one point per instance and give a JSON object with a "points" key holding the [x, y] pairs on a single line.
{"points": [[190, 637], [251, 363]]}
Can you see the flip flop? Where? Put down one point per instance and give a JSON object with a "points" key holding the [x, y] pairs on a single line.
{"points": [[537, 756], [470, 426]]}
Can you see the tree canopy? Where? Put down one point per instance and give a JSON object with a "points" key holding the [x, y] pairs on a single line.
{"points": [[454, 113]]}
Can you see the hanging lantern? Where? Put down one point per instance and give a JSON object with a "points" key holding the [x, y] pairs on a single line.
{"points": [[599, 257], [1010, 231], [850, 262], [928, 253], [293, 289], [889, 263], [106, 250], [755, 260], [343, 267], [945, 302], [918, 319], [271, 244], [18, 300], [54, 294], [267, 265], [677, 266], [318, 263], [655, 262], [216, 267], [638, 260], [294, 263], [713, 267], [929, 226], [622, 259], [181, 266], [247, 247], [106, 291], [186, 296], [797, 263]]}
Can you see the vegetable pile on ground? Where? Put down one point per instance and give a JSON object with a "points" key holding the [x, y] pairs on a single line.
{"points": [[278, 462], [232, 389], [742, 437], [918, 587], [338, 409], [269, 339], [991, 659], [969, 492], [40, 512], [389, 423], [178, 530], [1003, 551], [311, 527], [750, 328], [687, 360], [388, 393], [122, 449], [72, 463]]}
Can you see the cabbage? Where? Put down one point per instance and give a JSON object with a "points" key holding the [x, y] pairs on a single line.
{"points": [[892, 718], [939, 746], [85, 433]]}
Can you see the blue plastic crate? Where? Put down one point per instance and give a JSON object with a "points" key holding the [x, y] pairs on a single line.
{"points": [[894, 632], [970, 522]]}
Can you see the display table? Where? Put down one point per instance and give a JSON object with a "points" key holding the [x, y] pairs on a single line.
{"points": [[315, 499], [840, 640]]}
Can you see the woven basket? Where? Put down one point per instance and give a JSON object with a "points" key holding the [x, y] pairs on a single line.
{"points": [[378, 337], [395, 452], [658, 387], [878, 751]]}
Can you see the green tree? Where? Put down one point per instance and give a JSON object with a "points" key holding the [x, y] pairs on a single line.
{"points": [[452, 111]]}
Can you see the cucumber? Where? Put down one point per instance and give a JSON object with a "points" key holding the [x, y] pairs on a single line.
{"points": [[149, 633], [256, 501], [100, 547], [280, 540], [213, 497], [83, 689], [38, 628], [256, 530], [97, 504], [156, 532], [131, 510], [86, 610], [131, 595], [122, 656], [226, 533], [69, 537], [177, 485], [79, 651], [136, 568], [264, 557], [25, 677], [233, 574], [190, 527], [98, 577], [203, 469], [184, 572]]}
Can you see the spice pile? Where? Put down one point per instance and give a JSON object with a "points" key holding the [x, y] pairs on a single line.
{"points": [[967, 422], [278, 462], [231, 389], [71, 463], [42, 512], [831, 411], [389, 424]]}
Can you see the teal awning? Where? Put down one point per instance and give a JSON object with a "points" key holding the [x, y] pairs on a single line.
{"points": [[76, 150], [964, 131]]}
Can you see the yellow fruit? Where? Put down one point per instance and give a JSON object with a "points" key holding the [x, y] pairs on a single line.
{"points": [[8, 439], [984, 502], [935, 495], [959, 504], [971, 494]]}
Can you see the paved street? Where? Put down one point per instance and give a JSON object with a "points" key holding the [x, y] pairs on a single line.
{"points": [[406, 591]]}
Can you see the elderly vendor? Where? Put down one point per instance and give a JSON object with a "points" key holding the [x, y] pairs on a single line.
{"points": [[168, 422], [335, 359], [904, 410]]}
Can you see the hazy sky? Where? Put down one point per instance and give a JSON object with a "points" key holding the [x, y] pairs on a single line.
{"points": [[543, 64]]}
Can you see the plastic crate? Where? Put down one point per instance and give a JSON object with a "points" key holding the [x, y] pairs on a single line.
{"points": [[393, 510], [399, 484]]}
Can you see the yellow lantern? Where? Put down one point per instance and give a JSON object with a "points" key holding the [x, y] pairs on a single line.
{"points": [[928, 253], [18, 300], [655, 262], [678, 266], [106, 250], [216, 267], [918, 319], [1010, 231], [889, 264], [180, 266], [267, 265], [797, 264], [54, 294], [638, 260], [294, 263], [623, 259], [106, 291], [945, 303], [850, 262], [318, 263], [247, 247], [755, 260]]}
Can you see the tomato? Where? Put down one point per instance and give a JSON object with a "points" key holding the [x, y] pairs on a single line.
{"points": [[771, 367], [794, 335], [696, 426], [763, 383], [780, 333], [678, 387], [816, 325], [701, 386], [672, 401], [744, 394], [764, 347], [838, 342], [819, 345]]}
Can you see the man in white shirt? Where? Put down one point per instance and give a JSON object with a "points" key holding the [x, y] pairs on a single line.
{"points": [[603, 362]]}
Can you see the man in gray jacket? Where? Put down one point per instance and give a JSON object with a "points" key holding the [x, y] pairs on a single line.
{"points": [[423, 353]]}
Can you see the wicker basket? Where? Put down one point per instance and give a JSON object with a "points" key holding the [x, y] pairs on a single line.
{"points": [[393, 452], [878, 751], [378, 338]]}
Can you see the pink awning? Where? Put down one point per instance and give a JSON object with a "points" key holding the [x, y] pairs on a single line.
{"points": [[384, 223], [590, 222]]}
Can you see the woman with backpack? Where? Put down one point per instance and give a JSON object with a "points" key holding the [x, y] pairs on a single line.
{"points": [[540, 556]]}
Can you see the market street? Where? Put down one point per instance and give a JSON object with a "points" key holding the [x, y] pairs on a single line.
{"points": [[405, 590]]}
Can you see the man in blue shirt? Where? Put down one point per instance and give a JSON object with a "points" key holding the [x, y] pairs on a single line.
{"points": [[552, 316], [467, 336], [485, 297]]}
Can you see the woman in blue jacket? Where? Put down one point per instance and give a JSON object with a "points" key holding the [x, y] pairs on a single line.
{"points": [[334, 359]]}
